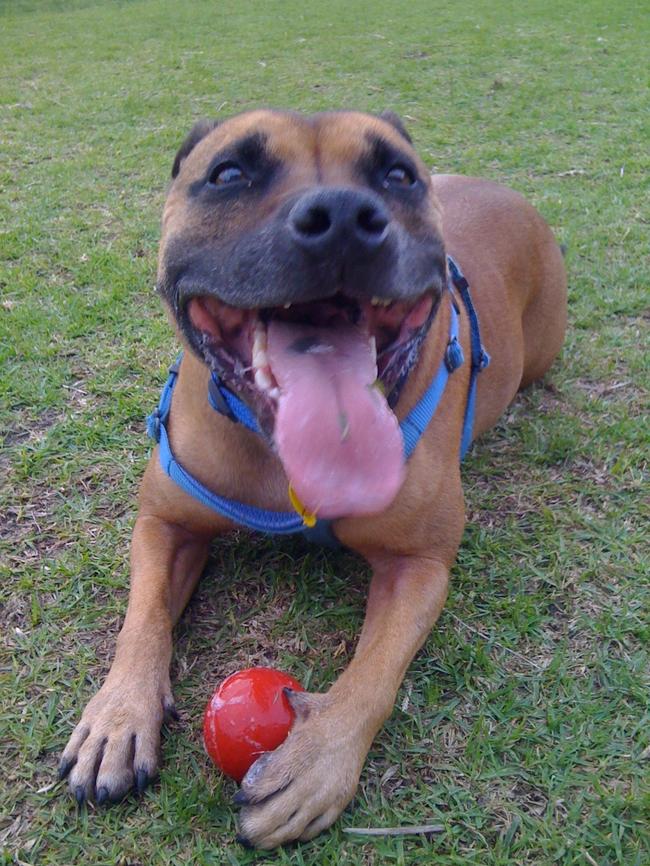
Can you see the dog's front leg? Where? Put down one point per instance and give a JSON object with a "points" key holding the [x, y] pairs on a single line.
{"points": [[300, 789], [116, 743]]}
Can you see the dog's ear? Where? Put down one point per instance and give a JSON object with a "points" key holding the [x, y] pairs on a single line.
{"points": [[200, 129], [396, 121]]}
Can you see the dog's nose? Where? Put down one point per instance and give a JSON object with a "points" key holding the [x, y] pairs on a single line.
{"points": [[323, 218]]}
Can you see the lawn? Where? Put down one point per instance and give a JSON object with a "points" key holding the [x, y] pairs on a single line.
{"points": [[523, 726]]}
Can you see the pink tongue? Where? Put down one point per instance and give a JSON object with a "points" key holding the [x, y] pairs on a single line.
{"points": [[340, 444]]}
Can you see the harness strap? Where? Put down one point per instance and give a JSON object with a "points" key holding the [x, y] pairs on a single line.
{"points": [[480, 358], [413, 426], [261, 519], [418, 419], [225, 402]]}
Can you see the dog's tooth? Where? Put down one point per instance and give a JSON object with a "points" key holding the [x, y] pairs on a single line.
{"points": [[373, 350], [263, 379], [259, 340], [259, 346], [287, 306], [375, 301], [260, 358], [274, 393]]}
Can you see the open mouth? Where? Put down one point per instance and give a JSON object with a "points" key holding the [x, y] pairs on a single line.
{"points": [[234, 342], [322, 378]]}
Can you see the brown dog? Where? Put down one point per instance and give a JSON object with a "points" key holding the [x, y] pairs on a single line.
{"points": [[302, 258]]}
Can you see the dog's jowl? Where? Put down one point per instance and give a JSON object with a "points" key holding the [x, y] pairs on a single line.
{"points": [[350, 323]]}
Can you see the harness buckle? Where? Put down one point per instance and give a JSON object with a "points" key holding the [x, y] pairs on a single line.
{"points": [[153, 425], [454, 356]]}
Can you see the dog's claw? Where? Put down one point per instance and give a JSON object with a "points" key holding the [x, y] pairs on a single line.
{"points": [[170, 713], [102, 795], [243, 841], [141, 780], [80, 795], [241, 798], [65, 766]]}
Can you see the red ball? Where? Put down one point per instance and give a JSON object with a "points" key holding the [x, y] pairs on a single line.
{"points": [[247, 716]]}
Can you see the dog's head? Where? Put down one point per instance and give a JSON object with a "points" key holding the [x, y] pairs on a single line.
{"points": [[300, 253]]}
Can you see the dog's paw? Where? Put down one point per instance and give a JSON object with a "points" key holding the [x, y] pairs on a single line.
{"points": [[116, 744], [301, 788]]}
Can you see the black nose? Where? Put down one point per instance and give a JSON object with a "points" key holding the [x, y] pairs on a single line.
{"points": [[326, 217]]}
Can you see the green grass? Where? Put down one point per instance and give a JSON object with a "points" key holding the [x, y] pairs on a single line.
{"points": [[523, 726]]}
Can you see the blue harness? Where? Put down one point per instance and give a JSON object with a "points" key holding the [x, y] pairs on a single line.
{"points": [[413, 426]]}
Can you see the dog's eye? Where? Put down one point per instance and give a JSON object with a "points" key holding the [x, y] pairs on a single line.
{"points": [[399, 176], [226, 173]]}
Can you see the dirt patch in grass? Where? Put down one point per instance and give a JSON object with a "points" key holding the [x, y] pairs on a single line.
{"points": [[24, 428]]}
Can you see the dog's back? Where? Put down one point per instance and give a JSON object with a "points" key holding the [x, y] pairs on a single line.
{"points": [[516, 270]]}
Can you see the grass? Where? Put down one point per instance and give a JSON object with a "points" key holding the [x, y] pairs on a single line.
{"points": [[523, 726]]}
